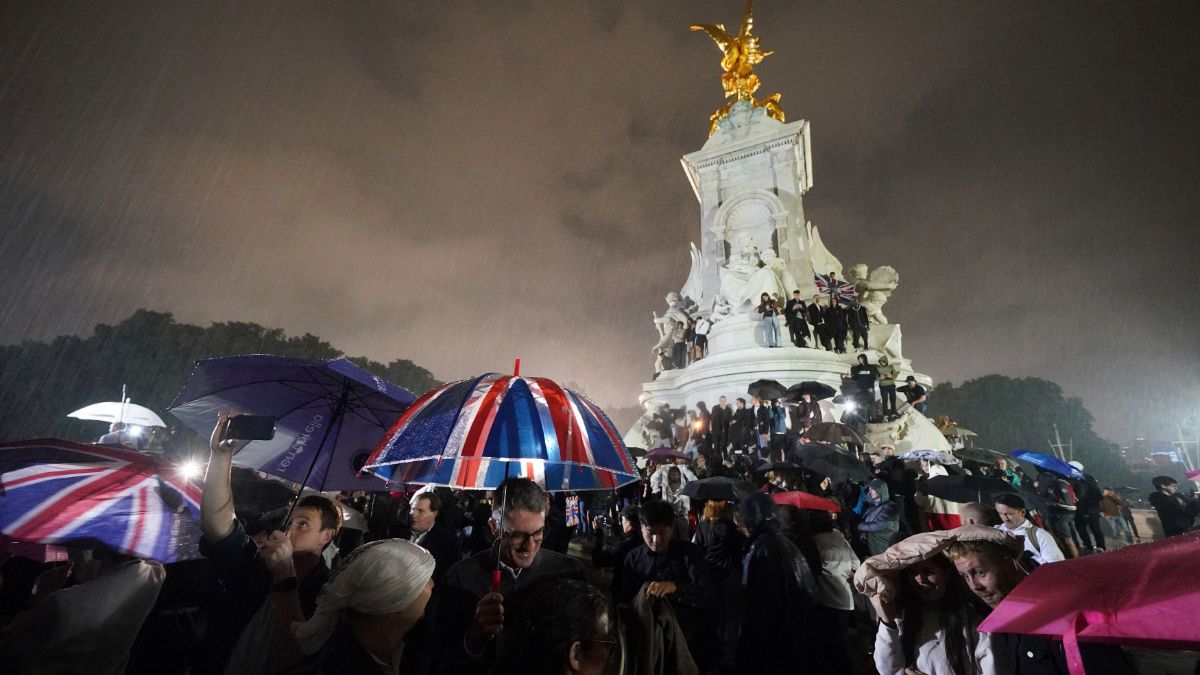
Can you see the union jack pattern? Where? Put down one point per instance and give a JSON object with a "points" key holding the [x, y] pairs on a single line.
{"points": [[58, 492], [842, 291], [474, 433]]}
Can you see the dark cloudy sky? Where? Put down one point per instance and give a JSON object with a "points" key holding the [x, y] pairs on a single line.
{"points": [[464, 183]]}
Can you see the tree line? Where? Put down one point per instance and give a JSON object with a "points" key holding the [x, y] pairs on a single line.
{"points": [[151, 353]]}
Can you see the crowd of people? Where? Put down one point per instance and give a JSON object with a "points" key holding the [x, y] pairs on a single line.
{"points": [[443, 581]]}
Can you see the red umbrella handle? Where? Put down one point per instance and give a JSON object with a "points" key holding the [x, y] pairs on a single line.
{"points": [[496, 580]]}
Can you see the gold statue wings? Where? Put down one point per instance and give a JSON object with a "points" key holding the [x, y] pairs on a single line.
{"points": [[741, 52]]}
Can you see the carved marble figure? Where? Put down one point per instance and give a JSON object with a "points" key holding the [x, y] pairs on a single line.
{"points": [[746, 276], [873, 288]]}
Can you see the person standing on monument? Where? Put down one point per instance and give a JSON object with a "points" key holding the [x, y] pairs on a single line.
{"points": [[835, 325], [817, 318], [860, 324], [741, 427], [700, 348], [762, 423], [722, 415], [768, 309], [679, 346], [887, 387], [796, 313]]}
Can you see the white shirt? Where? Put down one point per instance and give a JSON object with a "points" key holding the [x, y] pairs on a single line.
{"points": [[1038, 542]]}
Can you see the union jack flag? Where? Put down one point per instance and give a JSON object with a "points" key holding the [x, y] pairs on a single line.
{"points": [[58, 492], [839, 290]]}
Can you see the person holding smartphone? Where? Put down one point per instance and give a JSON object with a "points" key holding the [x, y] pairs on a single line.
{"points": [[267, 588]]}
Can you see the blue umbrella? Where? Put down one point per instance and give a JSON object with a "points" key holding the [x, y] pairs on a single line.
{"points": [[475, 433], [331, 414], [1049, 463]]}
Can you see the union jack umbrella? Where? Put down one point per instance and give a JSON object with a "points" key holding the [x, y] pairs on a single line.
{"points": [[840, 290], [58, 492], [474, 433]]}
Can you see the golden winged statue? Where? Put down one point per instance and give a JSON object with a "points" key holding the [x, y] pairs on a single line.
{"points": [[741, 53]]}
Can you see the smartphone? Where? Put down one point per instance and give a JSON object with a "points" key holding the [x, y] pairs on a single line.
{"points": [[251, 428]]}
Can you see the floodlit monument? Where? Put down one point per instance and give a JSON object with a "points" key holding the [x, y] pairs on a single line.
{"points": [[750, 178]]}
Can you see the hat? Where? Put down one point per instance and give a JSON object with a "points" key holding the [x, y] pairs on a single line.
{"points": [[910, 378]]}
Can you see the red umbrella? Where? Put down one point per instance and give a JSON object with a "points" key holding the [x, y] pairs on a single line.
{"points": [[804, 500], [1140, 595]]}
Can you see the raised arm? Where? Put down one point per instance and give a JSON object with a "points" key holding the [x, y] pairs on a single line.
{"points": [[216, 505]]}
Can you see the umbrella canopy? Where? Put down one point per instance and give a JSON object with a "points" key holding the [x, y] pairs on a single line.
{"points": [[115, 411], [665, 454], [474, 433], [1154, 605], [833, 432], [718, 487], [818, 390], [1049, 463], [254, 495], [331, 414], [932, 456], [63, 493], [766, 389], [963, 489], [981, 455], [829, 460], [1193, 475], [777, 466], [804, 500]]}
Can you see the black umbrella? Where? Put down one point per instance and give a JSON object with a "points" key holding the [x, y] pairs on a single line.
{"points": [[818, 390], [766, 389], [777, 466], [829, 460], [833, 432], [980, 455], [719, 487], [964, 489]]}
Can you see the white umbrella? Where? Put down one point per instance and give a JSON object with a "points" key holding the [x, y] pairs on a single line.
{"points": [[115, 411]]}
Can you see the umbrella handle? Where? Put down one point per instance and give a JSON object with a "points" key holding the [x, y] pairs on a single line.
{"points": [[496, 580], [1071, 644]]}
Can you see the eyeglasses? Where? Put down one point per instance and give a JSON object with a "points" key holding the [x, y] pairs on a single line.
{"points": [[521, 538]]}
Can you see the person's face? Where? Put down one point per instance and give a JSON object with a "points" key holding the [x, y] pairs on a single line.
{"points": [[925, 464], [1171, 488], [1002, 464], [591, 657], [929, 580], [740, 405], [889, 451], [626, 526], [421, 516], [305, 531], [522, 536], [796, 296], [986, 579], [723, 401], [862, 359], [873, 493], [658, 538], [1012, 518], [807, 398]]}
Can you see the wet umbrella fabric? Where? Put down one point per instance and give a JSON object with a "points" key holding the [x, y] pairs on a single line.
{"points": [[1049, 463], [115, 411], [828, 460], [665, 454], [963, 489], [818, 390], [833, 432], [981, 455], [766, 389], [932, 456], [805, 500], [63, 493], [474, 433], [776, 466], [1080, 600], [331, 414], [718, 487]]}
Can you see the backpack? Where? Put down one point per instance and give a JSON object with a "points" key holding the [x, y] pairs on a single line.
{"points": [[1063, 493]]}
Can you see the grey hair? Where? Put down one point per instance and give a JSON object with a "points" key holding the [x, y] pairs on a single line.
{"points": [[519, 493]]}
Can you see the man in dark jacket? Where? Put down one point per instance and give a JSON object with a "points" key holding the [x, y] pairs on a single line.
{"points": [[860, 325], [741, 429], [797, 313], [608, 554], [835, 324], [469, 614], [431, 536], [722, 415], [816, 316], [881, 521], [674, 570], [1176, 512], [1087, 510]]}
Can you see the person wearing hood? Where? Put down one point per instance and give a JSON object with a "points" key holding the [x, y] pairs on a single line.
{"points": [[881, 521], [780, 591]]}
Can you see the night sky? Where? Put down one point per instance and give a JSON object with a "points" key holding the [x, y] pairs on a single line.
{"points": [[461, 184]]}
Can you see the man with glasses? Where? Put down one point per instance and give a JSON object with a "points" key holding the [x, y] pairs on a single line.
{"points": [[469, 614]]}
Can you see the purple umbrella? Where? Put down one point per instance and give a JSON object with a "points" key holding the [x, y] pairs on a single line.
{"points": [[331, 415]]}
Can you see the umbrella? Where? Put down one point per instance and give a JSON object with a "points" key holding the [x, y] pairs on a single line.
{"points": [[474, 433], [62, 493], [833, 432], [830, 461], [331, 414], [666, 454], [1049, 463], [718, 487], [818, 390], [766, 389], [777, 466], [1193, 475], [1153, 606], [805, 500], [255, 495], [115, 411], [981, 455], [636, 452], [957, 431], [963, 489], [932, 456]]}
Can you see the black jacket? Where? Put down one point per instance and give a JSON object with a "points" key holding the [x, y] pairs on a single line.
{"points": [[720, 418], [743, 431], [446, 550], [604, 555], [815, 316], [762, 419], [1176, 512]]}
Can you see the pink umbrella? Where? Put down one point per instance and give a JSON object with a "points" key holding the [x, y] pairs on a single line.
{"points": [[805, 500], [1141, 595], [1193, 475]]}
